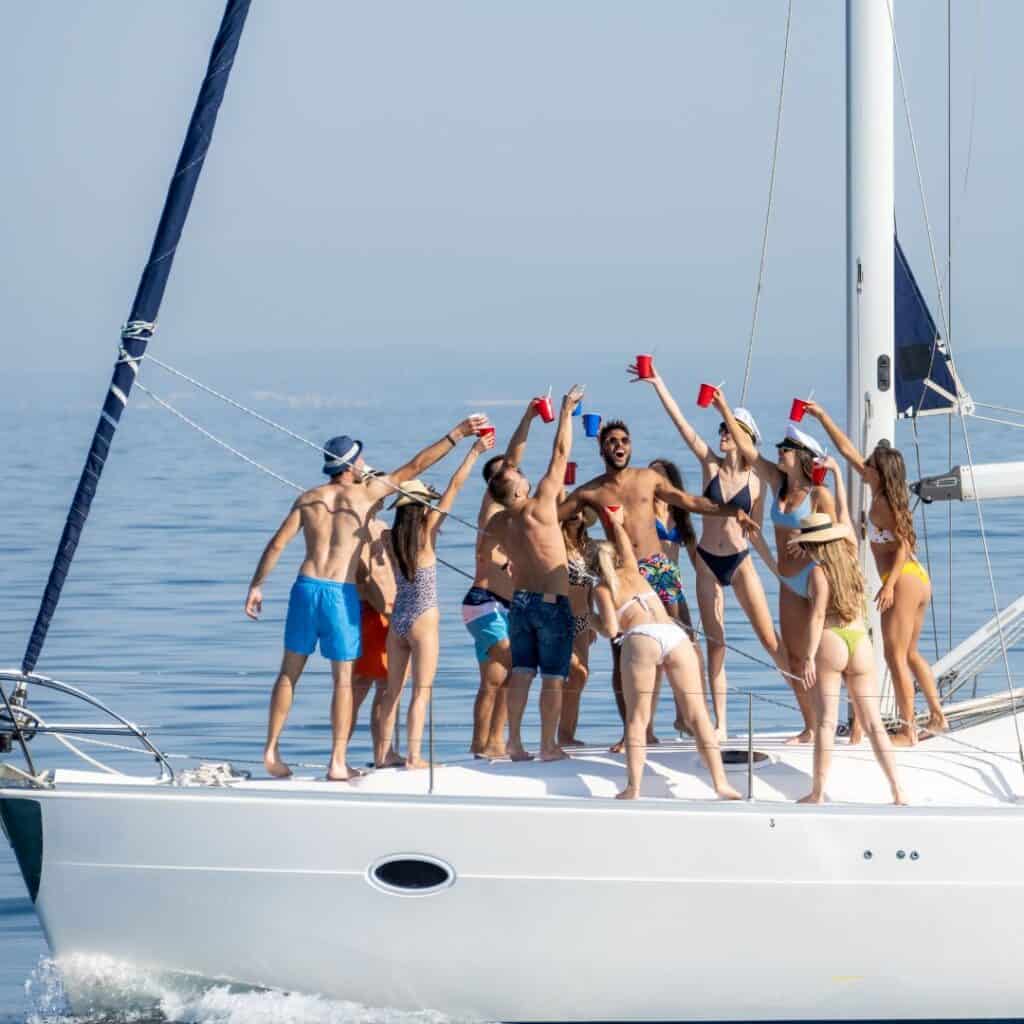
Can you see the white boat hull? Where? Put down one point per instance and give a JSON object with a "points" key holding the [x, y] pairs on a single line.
{"points": [[562, 909]]}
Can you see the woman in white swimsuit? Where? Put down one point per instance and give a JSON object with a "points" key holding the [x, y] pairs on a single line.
{"points": [[632, 615]]}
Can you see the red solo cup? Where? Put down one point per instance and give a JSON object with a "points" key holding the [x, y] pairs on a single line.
{"points": [[797, 410], [818, 472], [570, 473], [487, 431], [613, 508], [706, 395], [644, 370], [545, 408]]}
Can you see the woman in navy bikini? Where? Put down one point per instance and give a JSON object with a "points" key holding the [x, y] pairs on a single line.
{"points": [[795, 496], [721, 556]]}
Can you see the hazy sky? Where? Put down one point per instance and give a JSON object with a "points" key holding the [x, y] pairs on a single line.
{"points": [[488, 185]]}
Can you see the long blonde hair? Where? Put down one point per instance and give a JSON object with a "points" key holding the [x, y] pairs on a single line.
{"points": [[845, 580], [606, 566], [892, 472]]}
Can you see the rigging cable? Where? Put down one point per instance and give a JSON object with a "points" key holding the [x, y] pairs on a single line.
{"points": [[768, 212], [264, 469], [959, 404]]}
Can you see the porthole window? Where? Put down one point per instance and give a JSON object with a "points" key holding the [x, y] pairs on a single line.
{"points": [[411, 874]]}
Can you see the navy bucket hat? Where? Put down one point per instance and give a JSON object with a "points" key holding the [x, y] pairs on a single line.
{"points": [[340, 453]]}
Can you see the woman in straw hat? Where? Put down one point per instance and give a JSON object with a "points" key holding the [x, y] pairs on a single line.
{"points": [[722, 555], [906, 587], [632, 615], [413, 633], [840, 648], [796, 495]]}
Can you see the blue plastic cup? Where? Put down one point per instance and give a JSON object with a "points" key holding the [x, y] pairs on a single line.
{"points": [[591, 424]]}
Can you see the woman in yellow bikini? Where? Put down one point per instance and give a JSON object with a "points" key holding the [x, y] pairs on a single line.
{"points": [[840, 649], [906, 588]]}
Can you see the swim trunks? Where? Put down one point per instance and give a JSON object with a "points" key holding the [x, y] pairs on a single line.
{"points": [[541, 633], [486, 617], [373, 662], [662, 575], [327, 611]]}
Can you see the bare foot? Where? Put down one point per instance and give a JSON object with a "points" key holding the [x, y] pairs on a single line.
{"points": [[555, 753], [517, 752], [570, 741], [618, 748], [681, 727], [900, 798], [629, 793], [652, 740], [726, 792], [416, 763], [393, 760], [905, 737], [494, 753], [276, 768], [343, 773], [937, 723], [801, 737], [856, 733], [812, 798]]}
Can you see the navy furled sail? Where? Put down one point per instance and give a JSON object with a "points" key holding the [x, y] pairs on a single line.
{"points": [[926, 383], [142, 322]]}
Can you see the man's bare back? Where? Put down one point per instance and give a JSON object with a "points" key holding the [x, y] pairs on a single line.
{"points": [[334, 519], [492, 561]]}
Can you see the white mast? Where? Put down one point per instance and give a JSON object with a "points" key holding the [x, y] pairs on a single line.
{"points": [[870, 204]]}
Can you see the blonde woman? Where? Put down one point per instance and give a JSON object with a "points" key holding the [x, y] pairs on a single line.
{"points": [[721, 558], [840, 649], [632, 615], [906, 588], [795, 496], [413, 634]]}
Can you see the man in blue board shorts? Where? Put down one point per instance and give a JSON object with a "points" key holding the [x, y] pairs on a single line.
{"points": [[323, 607]]}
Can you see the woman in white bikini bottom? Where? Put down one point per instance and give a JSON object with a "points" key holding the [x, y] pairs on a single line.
{"points": [[631, 613]]}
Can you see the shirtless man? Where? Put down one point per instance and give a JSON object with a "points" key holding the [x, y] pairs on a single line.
{"points": [[636, 490], [540, 620], [375, 581], [324, 601], [485, 609]]}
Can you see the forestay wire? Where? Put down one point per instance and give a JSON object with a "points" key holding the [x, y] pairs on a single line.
{"points": [[959, 405], [768, 212]]}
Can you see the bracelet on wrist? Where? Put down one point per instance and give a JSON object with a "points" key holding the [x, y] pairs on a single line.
{"points": [[451, 440]]}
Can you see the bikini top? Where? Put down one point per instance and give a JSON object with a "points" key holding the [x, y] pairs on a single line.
{"points": [[791, 520], [664, 533], [879, 536], [579, 575], [741, 499], [641, 599]]}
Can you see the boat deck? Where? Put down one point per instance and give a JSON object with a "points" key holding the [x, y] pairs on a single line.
{"points": [[977, 766]]}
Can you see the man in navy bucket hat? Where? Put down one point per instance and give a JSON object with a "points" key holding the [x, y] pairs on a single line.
{"points": [[323, 606]]}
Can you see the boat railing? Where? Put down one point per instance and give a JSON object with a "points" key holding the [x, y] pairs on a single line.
{"points": [[20, 724]]}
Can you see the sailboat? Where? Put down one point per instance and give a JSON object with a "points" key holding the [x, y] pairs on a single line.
{"points": [[516, 892]]}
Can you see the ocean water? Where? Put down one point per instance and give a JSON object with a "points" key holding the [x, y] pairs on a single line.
{"points": [[151, 620]]}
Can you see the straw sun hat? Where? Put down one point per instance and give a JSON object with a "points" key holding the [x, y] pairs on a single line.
{"points": [[818, 528]]}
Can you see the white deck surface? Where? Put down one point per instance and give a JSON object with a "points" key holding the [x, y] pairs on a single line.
{"points": [[971, 767]]}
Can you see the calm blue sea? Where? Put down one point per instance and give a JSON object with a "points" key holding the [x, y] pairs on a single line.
{"points": [[151, 620]]}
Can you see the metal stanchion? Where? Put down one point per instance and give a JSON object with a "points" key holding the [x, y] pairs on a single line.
{"points": [[750, 745], [430, 736]]}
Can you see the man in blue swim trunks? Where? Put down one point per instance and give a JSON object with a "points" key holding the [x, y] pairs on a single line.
{"points": [[485, 608], [540, 620], [324, 602]]}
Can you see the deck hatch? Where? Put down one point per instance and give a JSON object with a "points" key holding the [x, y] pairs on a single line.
{"points": [[411, 874]]}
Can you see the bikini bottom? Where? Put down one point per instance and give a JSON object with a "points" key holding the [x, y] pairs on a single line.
{"points": [[723, 567]]}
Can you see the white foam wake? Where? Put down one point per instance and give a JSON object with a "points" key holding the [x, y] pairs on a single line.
{"points": [[102, 989]]}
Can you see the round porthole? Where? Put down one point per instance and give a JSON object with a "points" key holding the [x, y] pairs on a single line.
{"points": [[411, 874]]}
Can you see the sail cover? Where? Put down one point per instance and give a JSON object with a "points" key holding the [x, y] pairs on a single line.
{"points": [[142, 321], [926, 383]]}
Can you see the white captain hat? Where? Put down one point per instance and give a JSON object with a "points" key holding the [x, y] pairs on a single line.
{"points": [[796, 439]]}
